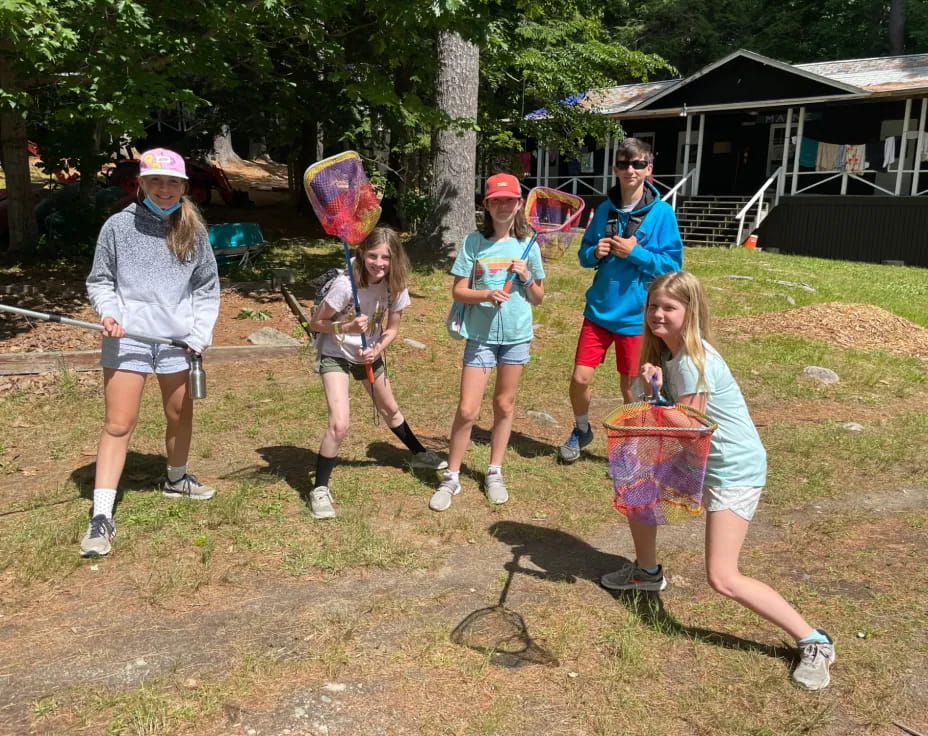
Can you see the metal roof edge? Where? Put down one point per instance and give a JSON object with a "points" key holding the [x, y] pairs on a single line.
{"points": [[760, 58]]}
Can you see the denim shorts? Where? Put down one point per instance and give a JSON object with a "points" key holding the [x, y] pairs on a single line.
{"points": [[740, 500], [482, 355], [332, 364], [126, 354]]}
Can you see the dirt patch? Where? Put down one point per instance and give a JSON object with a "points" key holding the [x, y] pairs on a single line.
{"points": [[860, 326]]}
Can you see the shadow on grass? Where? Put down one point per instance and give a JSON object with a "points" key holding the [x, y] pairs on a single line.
{"points": [[143, 473], [297, 465], [564, 557]]}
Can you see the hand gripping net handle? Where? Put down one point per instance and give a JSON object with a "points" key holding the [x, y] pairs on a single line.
{"points": [[342, 197], [547, 211]]}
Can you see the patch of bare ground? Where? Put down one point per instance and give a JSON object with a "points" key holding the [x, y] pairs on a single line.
{"points": [[859, 326], [368, 652]]}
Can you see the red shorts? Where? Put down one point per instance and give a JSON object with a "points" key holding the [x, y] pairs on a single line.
{"points": [[594, 342]]}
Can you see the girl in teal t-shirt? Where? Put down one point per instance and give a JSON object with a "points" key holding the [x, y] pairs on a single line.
{"points": [[676, 350], [498, 328]]}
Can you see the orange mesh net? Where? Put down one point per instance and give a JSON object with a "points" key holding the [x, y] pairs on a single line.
{"points": [[549, 209], [342, 197], [657, 460]]}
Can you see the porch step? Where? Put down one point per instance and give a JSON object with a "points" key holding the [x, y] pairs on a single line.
{"points": [[710, 220]]}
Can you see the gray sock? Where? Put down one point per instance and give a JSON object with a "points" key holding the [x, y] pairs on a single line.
{"points": [[176, 472]]}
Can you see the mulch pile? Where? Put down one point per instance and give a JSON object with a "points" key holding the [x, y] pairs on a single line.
{"points": [[860, 326]]}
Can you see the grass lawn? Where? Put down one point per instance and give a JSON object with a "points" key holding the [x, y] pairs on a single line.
{"points": [[245, 613]]}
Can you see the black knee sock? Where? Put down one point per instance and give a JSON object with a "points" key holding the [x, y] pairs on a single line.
{"points": [[324, 466], [407, 437]]}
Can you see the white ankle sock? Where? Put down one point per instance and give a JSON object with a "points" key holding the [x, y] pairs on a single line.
{"points": [[582, 422], [176, 472], [453, 475], [103, 501], [494, 469]]}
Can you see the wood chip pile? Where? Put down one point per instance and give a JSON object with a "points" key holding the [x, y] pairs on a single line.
{"points": [[860, 326]]}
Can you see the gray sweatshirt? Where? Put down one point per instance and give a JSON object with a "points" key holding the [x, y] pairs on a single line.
{"points": [[139, 282]]}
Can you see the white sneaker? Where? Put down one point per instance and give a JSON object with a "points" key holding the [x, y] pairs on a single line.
{"points": [[188, 487], [320, 503], [815, 659], [495, 488], [97, 540], [441, 499], [428, 460]]}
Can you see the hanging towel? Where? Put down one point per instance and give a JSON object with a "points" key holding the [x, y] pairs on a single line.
{"points": [[854, 157], [840, 158], [825, 161], [808, 151], [525, 159], [889, 152]]}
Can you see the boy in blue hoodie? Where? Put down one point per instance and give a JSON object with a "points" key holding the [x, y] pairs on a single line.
{"points": [[632, 238]]}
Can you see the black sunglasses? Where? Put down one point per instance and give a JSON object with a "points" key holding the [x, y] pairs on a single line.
{"points": [[638, 164]]}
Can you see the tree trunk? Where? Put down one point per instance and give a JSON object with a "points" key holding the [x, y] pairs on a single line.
{"points": [[897, 28], [23, 230], [222, 148], [454, 147]]}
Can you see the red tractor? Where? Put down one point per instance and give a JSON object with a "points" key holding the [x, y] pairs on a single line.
{"points": [[202, 179]]}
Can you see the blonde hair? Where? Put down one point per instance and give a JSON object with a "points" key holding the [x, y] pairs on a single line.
{"points": [[184, 226], [685, 288], [399, 264]]}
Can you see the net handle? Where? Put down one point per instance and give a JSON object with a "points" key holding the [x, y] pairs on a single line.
{"points": [[357, 305]]}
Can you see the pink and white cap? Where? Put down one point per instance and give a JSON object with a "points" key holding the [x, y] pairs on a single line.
{"points": [[162, 162]]}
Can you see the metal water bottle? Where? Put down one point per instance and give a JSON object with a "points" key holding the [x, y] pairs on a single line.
{"points": [[197, 377]]}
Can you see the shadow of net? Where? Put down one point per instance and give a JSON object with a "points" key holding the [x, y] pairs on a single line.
{"points": [[501, 633]]}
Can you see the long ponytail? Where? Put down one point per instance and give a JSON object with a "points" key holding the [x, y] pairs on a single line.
{"points": [[186, 224]]}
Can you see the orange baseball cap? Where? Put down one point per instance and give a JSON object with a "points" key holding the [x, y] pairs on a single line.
{"points": [[503, 185]]}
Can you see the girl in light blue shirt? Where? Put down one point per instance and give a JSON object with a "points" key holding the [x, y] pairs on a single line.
{"points": [[676, 350], [498, 327]]}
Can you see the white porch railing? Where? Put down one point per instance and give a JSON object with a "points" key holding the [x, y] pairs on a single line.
{"points": [[675, 189], [759, 198], [573, 183], [856, 176]]}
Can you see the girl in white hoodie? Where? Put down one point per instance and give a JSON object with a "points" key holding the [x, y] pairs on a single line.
{"points": [[154, 273]]}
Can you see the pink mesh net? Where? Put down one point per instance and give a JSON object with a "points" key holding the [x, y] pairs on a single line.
{"points": [[342, 197]]}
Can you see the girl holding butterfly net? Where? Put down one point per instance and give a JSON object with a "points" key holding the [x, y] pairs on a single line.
{"points": [[381, 268], [498, 326], [678, 356]]}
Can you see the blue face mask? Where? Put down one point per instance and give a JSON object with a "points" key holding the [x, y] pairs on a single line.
{"points": [[157, 210]]}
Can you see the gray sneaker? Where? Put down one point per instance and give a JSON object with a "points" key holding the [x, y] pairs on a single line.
{"points": [[100, 532], [815, 659], [441, 499], [428, 460], [188, 487], [320, 503], [632, 577], [570, 450], [495, 488]]}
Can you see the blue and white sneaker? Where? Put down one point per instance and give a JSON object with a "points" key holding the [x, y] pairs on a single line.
{"points": [[570, 450]]}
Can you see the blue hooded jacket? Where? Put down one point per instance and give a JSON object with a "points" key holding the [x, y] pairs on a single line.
{"points": [[617, 297]]}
